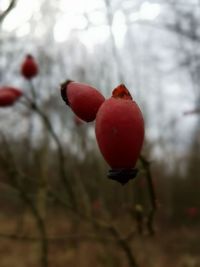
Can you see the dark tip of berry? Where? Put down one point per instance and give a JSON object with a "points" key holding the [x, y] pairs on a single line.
{"points": [[29, 56], [63, 91], [122, 175]]}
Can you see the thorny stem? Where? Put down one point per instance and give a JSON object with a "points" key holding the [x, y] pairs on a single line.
{"points": [[152, 195]]}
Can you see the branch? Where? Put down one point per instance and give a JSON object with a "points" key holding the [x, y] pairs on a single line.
{"points": [[146, 165], [7, 11], [124, 246], [192, 112], [70, 237], [35, 107]]}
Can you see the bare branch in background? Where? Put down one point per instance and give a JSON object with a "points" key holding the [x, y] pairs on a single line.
{"points": [[7, 11], [150, 220], [16, 178], [192, 112]]}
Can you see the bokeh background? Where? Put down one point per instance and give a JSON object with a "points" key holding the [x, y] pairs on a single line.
{"points": [[153, 48]]}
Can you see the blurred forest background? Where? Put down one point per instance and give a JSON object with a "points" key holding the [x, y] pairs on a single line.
{"points": [[57, 207]]}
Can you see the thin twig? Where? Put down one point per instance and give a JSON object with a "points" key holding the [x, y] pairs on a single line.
{"points": [[7, 11], [34, 106], [124, 246], [67, 238], [32, 88], [113, 42], [150, 220]]}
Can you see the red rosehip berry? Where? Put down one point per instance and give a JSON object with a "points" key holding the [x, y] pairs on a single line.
{"points": [[120, 131], [29, 68], [83, 99], [9, 95]]}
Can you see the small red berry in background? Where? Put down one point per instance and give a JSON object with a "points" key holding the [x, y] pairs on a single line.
{"points": [[120, 131], [192, 212], [9, 95], [29, 67], [83, 99]]}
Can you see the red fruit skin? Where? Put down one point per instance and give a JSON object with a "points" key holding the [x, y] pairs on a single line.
{"points": [[84, 100], [29, 68], [120, 132], [9, 95], [17, 92]]}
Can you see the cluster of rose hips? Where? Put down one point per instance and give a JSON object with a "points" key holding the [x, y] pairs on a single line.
{"points": [[8, 94], [119, 123]]}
